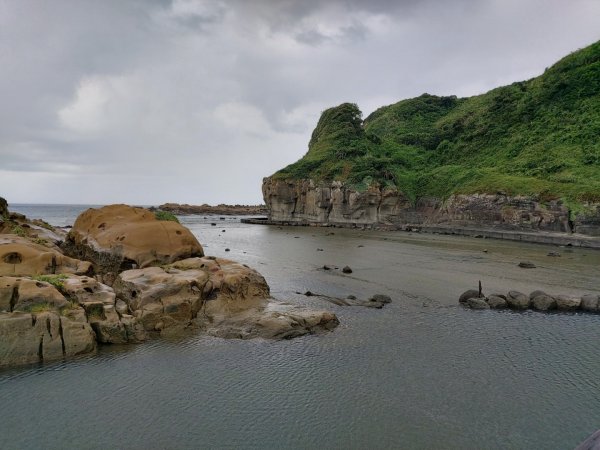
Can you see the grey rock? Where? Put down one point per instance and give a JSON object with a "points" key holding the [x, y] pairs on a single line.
{"points": [[497, 301], [567, 302], [543, 302], [590, 302], [381, 298], [517, 300], [471, 293], [527, 265], [534, 294], [477, 303], [347, 269]]}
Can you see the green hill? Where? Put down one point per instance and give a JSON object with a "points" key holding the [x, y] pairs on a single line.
{"points": [[537, 137]]}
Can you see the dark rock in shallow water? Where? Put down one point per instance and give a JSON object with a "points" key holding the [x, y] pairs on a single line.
{"points": [[567, 302], [590, 302], [543, 302], [517, 300], [477, 303], [534, 294], [381, 298], [554, 254], [527, 265], [347, 269], [497, 301], [471, 293]]}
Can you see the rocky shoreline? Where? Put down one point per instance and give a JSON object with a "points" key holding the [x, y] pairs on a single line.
{"points": [[334, 204], [222, 209], [121, 275]]}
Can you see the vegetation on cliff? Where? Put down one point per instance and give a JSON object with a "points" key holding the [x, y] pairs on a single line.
{"points": [[536, 137]]}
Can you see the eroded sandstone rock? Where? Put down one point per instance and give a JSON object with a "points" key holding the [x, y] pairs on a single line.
{"points": [[120, 237], [222, 297], [21, 257]]}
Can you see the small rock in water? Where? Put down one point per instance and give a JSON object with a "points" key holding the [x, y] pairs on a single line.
{"points": [[326, 267], [351, 297], [485, 250], [527, 265], [296, 237], [213, 224], [478, 236], [308, 294], [381, 298], [223, 231], [555, 254], [227, 250], [319, 249], [347, 269], [360, 246]]}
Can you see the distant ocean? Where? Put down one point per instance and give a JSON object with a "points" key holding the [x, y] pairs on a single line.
{"points": [[57, 215]]}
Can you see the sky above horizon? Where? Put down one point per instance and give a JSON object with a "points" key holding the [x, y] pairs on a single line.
{"points": [[195, 101]]}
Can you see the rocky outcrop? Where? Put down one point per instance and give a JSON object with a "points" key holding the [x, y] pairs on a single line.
{"points": [[222, 297], [37, 323], [224, 210], [21, 256], [304, 201], [120, 237]]}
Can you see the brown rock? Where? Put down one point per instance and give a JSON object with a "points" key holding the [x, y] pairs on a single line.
{"points": [[21, 257], [119, 237]]}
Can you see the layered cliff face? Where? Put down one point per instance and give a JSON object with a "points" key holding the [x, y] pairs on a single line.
{"points": [[304, 201], [522, 156]]}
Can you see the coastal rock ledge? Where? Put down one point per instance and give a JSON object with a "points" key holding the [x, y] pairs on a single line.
{"points": [[305, 201], [124, 278]]}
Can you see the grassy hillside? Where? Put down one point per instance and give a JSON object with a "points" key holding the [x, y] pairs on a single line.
{"points": [[540, 136]]}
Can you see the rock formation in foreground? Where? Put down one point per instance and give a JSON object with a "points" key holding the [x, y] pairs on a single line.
{"points": [[520, 157], [144, 277]]}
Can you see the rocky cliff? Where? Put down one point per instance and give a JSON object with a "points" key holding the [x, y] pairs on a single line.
{"points": [[523, 156], [304, 201]]}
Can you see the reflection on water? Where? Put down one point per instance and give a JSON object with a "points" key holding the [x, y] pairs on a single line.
{"points": [[421, 373]]}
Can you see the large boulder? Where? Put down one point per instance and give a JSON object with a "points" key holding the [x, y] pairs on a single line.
{"points": [[21, 257], [222, 297], [590, 302], [121, 237], [567, 302], [543, 302]]}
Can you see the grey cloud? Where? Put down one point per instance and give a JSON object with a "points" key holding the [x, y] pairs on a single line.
{"points": [[196, 101]]}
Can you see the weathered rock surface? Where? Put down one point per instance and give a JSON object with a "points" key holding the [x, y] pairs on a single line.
{"points": [[336, 204], [477, 303], [497, 301], [121, 237], [224, 298], [567, 302], [20, 256], [590, 302]]}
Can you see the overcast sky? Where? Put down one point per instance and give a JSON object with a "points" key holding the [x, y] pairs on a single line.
{"points": [[195, 101]]}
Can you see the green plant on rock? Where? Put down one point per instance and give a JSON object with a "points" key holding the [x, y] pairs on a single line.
{"points": [[18, 230], [55, 280], [165, 215], [41, 307]]}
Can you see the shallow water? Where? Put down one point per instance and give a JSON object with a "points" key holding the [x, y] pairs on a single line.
{"points": [[421, 373]]}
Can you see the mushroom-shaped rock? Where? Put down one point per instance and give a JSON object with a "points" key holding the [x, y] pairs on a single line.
{"points": [[21, 257], [517, 300], [119, 237], [567, 302]]}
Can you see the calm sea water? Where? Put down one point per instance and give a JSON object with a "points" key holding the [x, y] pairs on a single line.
{"points": [[421, 373]]}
